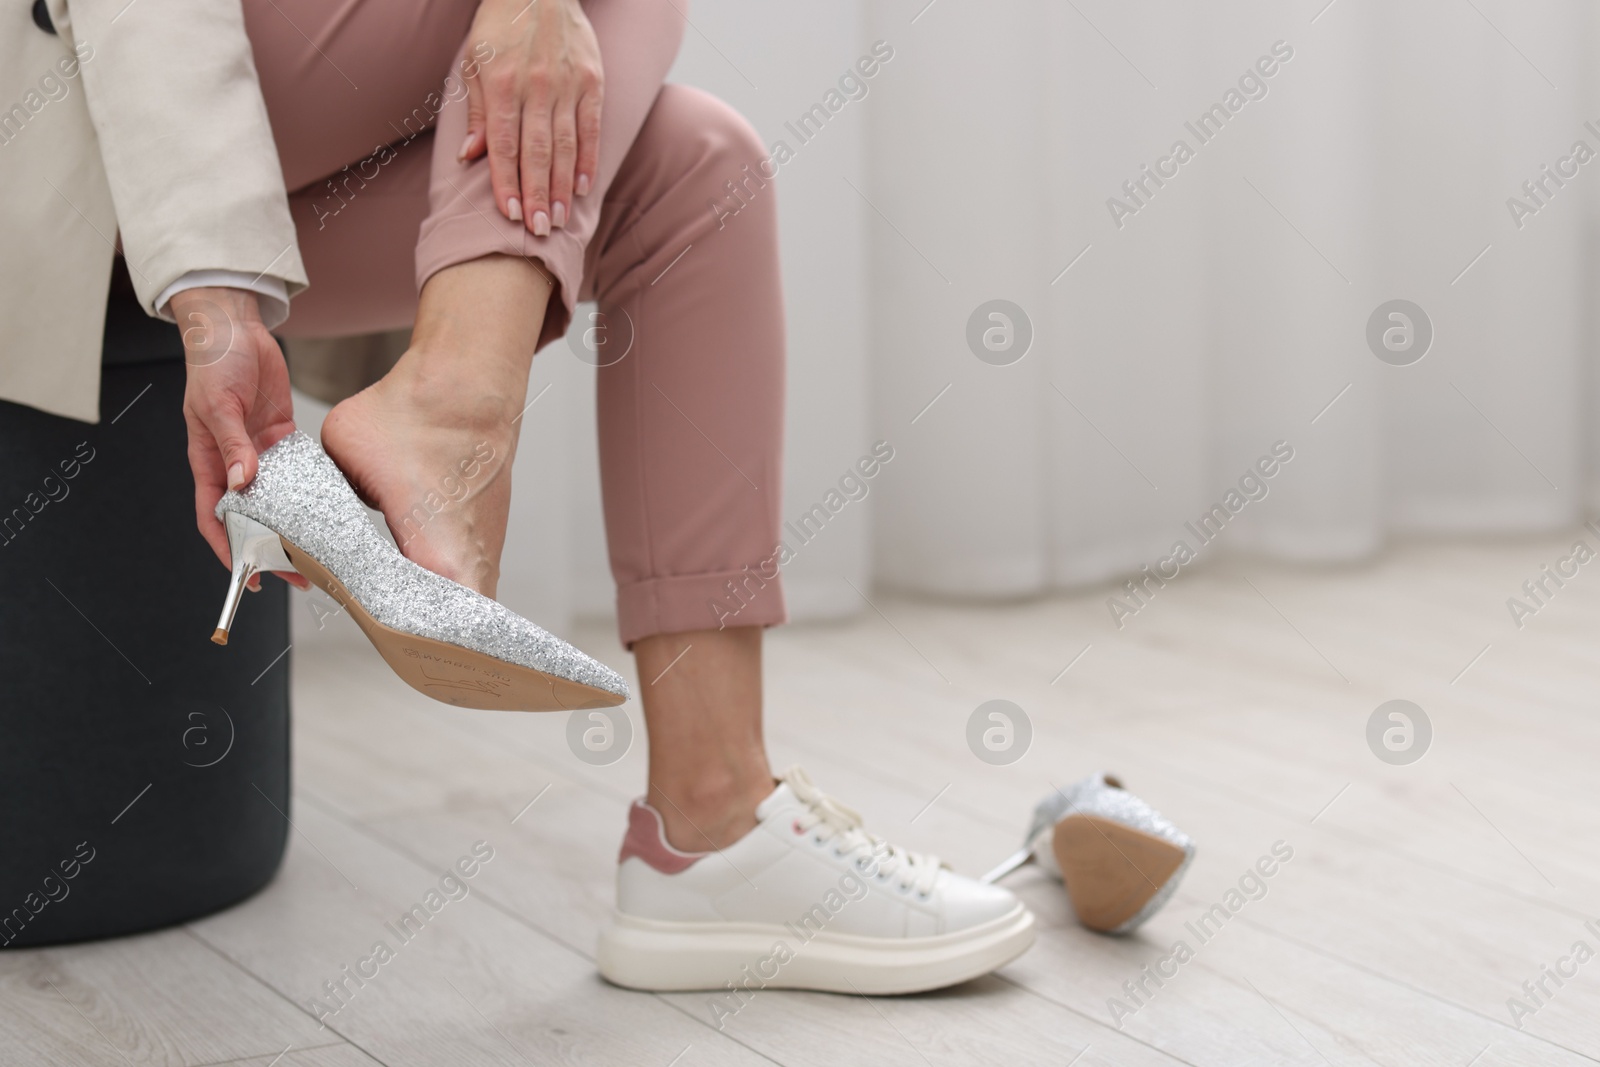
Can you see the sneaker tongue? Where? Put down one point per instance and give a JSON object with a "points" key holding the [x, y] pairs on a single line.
{"points": [[780, 798]]}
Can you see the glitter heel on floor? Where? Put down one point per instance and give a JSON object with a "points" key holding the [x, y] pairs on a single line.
{"points": [[440, 637], [1120, 859]]}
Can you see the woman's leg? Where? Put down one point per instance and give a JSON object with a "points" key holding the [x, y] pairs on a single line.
{"points": [[702, 708], [692, 552], [691, 432], [491, 293], [691, 427]]}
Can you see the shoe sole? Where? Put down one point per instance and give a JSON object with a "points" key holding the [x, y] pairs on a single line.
{"points": [[1112, 871], [661, 956], [450, 673]]}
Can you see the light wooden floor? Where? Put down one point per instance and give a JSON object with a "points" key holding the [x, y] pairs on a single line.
{"points": [[1417, 901]]}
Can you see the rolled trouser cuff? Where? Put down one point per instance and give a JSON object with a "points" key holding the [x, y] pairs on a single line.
{"points": [[699, 602], [449, 240]]}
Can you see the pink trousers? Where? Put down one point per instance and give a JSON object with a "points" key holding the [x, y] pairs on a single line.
{"points": [[677, 243]]}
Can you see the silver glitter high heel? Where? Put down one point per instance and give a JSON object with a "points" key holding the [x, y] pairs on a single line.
{"points": [[1120, 859], [441, 638]]}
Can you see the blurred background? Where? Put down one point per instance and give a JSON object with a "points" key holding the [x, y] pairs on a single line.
{"points": [[1174, 339]]}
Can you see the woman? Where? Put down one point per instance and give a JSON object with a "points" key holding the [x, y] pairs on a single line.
{"points": [[521, 156]]}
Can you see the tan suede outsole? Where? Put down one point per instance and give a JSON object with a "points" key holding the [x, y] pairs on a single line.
{"points": [[1111, 871], [453, 674]]}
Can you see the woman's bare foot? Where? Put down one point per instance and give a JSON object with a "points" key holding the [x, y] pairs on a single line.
{"points": [[431, 444], [437, 466]]}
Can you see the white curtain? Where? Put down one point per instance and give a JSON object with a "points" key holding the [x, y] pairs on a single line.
{"points": [[1227, 314], [1231, 308]]}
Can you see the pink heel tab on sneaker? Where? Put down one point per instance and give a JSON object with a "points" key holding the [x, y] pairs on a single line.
{"points": [[647, 839]]}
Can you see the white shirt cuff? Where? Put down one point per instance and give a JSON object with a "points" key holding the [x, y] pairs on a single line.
{"points": [[273, 294]]}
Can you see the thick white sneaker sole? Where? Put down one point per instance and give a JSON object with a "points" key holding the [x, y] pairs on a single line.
{"points": [[662, 956]]}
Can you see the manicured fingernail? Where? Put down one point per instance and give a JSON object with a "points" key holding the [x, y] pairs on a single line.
{"points": [[514, 209], [541, 224], [583, 185], [461, 156], [236, 476], [558, 214]]}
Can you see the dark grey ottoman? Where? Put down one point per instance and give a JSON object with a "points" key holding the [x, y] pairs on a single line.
{"points": [[144, 771]]}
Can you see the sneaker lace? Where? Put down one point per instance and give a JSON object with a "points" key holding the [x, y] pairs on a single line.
{"points": [[830, 820]]}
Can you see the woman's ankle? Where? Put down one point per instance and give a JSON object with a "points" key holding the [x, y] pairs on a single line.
{"points": [[441, 388], [482, 312], [702, 812]]}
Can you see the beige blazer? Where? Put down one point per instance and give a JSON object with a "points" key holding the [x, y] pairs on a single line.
{"points": [[142, 117]]}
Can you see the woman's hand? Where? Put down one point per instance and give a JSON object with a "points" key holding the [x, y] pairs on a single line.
{"points": [[534, 107], [236, 402]]}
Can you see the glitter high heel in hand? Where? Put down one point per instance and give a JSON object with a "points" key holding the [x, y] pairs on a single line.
{"points": [[441, 638]]}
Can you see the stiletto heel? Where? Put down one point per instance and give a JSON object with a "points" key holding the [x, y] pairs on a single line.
{"points": [[254, 548], [441, 638]]}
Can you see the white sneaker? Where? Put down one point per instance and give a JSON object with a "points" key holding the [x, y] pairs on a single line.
{"points": [[806, 900]]}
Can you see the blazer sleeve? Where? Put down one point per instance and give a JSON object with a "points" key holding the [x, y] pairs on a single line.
{"points": [[188, 152]]}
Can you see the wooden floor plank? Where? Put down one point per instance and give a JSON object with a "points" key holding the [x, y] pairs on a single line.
{"points": [[157, 998], [342, 1054]]}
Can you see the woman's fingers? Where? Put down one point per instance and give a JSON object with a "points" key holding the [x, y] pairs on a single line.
{"points": [[563, 159], [221, 411], [206, 463], [537, 150], [503, 117], [223, 457], [588, 128], [472, 147]]}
